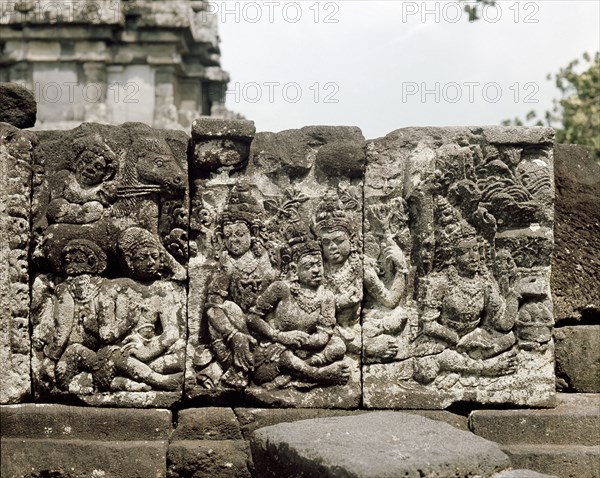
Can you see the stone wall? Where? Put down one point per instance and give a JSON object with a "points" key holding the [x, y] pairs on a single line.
{"points": [[307, 268], [144, 268], [114, 61]]}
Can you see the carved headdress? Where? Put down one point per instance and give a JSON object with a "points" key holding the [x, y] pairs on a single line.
{"points": [[451, 230], [330, 216], [299, 241], [75, 250], [242, 206], [133, 238]]}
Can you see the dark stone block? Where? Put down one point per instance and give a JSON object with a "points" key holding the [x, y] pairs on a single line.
{"points": [[17, 105]]}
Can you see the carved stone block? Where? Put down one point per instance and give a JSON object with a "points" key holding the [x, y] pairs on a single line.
{"points": [[110, 221], [276, 286], [15, 212], [458, 243]]}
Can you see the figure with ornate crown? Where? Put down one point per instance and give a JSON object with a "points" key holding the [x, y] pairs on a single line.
{"points": [[464, 325], [242, 273], [295, 321], [343, 269]]}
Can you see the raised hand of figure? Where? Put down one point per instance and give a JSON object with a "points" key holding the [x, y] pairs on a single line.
{"points": [[394, 254], [242, 357], [293, 338]]}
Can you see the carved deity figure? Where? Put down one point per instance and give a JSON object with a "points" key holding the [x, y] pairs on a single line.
{"points": [[243, 272], [135, 357], [384, 316], [342, 267], [84, 190], [465, 327], [295, 321], [68, 333]]}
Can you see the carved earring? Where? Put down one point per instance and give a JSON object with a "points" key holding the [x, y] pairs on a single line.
{"points": [[293, 272]]}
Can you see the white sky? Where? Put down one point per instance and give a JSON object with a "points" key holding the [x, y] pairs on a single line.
{"points": [[378, 58]]}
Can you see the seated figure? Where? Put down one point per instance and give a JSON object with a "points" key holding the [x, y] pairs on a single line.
{"points": [[84, 189], [68, 330], [134, 357], [242, 273], [295, 321], [384, 315], [464, 325]]}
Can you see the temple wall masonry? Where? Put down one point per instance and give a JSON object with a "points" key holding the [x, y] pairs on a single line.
{"points": [[192, 288], [306, 268]]}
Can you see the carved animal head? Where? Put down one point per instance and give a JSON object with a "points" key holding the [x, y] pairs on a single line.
{"points": [[157, 165]]}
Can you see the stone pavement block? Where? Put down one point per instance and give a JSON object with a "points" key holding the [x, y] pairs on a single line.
{"points": [[573, 421], [27, 458], [521, 474], [210, 423], [375, 445], [577, 350], [254, 418], [565, 461], [61, 422], [208, 459]]}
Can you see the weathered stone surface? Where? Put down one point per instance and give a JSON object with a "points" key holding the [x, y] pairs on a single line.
{"points": [[67, 442], [209, 423], [254, 418], [275, 289], [458, 242], [17, 105], [208, 459], [566, 461], [575, 267], [15, 213], [62, 422], [522, 474], [123, 59], [375, 445], [573, 421], [42, 458], [110, 244], [578, 358]]}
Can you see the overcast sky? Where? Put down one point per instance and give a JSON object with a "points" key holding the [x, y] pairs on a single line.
{"points": [[382, 65]]}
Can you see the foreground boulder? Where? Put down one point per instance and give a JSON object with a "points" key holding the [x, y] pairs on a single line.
{"points": [[375, 445]]}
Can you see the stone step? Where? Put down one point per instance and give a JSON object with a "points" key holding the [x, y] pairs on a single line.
{"points": [[82, 458], [564, 461], [573, 422], [208, 459], [62, 422], [374, 445], [47, 440]]}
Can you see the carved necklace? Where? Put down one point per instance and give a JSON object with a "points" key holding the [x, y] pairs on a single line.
{"points": [[345, 275], [308, 302], [246, 264]]}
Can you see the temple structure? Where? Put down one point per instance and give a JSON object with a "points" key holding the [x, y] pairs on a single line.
{"points": [[113, 61]]}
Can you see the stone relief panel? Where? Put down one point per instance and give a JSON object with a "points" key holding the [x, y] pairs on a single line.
{"points": [[110, 225], [276, 284], [458, 242], [15, 212]]}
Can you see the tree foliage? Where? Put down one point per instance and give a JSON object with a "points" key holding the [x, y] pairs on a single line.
{"points": [[576, 114], [472, 9]]}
